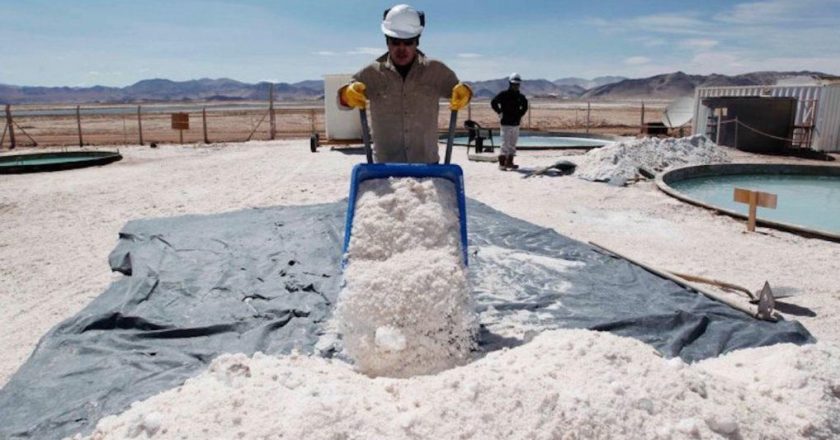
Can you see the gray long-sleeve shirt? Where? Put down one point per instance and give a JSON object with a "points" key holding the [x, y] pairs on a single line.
{"points": [[404, 113]]}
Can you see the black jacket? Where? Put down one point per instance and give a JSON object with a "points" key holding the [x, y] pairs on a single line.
{"points": [[512, 105]]}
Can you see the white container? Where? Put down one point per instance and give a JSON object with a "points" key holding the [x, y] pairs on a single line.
{"points": [[340, 124], [818, 105]]}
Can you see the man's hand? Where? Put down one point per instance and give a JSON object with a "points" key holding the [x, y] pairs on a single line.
{"points": [[461, 95], [353, 95]]}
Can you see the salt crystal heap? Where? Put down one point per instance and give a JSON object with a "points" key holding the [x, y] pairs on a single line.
{"points": [[621, 161], [405, 308]]}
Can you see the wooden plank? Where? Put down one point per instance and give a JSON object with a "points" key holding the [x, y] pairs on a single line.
{"points": [[764, 200]]}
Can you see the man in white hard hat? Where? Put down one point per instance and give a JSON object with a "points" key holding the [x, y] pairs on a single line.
{"points": [[404, 88], [510, 105]]}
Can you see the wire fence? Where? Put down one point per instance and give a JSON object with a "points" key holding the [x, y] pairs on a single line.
{"points": [[90, 125]]}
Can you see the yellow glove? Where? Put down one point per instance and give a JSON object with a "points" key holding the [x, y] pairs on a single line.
{"points": [[461, 95], [353, 95]]}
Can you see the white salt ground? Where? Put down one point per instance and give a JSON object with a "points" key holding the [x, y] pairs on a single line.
{"points": [[569, 384], [405, 307], [58, 229], [622, 160]]}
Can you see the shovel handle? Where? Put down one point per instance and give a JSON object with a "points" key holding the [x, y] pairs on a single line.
{"points": [[366, 135], [453, 119]]}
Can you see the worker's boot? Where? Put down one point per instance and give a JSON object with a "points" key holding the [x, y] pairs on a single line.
{"points": [[503, 162], [510, 165]]}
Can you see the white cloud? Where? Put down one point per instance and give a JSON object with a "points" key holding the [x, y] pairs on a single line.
{"points": [[679, 24], [699, 43], [326, 53], [367, 51], [469, 55], [775, 11], [635, 61]]}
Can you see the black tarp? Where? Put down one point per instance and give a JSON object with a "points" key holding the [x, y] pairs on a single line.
{"points": [[266, 279]]}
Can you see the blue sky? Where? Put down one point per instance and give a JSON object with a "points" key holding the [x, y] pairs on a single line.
{"points": [[116, 43]]}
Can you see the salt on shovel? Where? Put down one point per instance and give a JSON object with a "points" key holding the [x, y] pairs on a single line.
{"points": [[370, 170]]}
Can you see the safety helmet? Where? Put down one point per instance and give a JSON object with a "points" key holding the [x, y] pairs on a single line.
{"points": [[403, 22], [514, 78]]}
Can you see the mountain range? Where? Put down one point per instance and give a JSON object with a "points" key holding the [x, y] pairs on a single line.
{"points": [[665, 86]]}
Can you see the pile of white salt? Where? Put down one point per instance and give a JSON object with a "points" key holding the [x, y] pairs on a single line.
{"points": [[405, 307], [622, 160], [565, 384]]}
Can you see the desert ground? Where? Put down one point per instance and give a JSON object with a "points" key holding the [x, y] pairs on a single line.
{"points": [[58, 229]]}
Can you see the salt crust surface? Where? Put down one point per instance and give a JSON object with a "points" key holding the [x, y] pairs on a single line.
{"points": [[65, 223], [622, 160], [405, 306], [564, 384]]}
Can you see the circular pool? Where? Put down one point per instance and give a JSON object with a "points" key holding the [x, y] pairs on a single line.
{"points": [[530, 140], [808, 195], [38, 162]]}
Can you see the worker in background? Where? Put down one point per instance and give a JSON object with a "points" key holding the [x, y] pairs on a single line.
{"points": [[404, 88], [510, 105]]}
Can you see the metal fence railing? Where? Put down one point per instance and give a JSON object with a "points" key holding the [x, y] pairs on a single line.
{"points": [[100, 124]]}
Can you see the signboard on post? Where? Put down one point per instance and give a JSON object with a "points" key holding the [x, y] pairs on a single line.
{"points": [[754, 199], [181, 122]]}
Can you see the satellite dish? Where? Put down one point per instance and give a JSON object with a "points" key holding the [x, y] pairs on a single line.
{"points": [[679, 112]]}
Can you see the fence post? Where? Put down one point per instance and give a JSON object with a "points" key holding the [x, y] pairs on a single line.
{"points": [[529, 118], [272, 131], [717, 134], [736, 132], [204, 123], [79, 125], [312, 119], [11, 126], [139, 125], [642, 120], [588, 110]]}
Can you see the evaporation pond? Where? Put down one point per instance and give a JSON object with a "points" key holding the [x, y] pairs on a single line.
{"points": [[809, 201], [542, 141]]}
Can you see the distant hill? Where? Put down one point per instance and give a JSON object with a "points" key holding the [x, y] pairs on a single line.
{"points": [[666, 86], [161, 90], [587, 84], [673, 85]]}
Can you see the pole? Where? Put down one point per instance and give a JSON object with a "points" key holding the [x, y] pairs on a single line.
{"points": [[469, 110], [752, 212], [312, 119], [10, 124], [79, 125], [273, 128], [717, 134], [688, 284], [181, 136], [529, 118], [453, 119], [588, 110], [736, 132], [204, 123], [642, 121], [366, 135], [139, 125]]}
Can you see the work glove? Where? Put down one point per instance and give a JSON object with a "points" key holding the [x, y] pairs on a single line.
{"points": [[461, 95], [353, 95]]}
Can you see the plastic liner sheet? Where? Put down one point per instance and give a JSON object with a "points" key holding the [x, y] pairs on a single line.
{"points": [[266, 280]]}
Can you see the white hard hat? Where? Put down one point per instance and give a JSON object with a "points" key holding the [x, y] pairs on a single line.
{"points": [[403, 22], [514, 78]]}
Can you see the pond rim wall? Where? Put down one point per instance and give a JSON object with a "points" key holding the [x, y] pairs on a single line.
{"points": [[608, 138], [97, 158], [664, 180]]}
